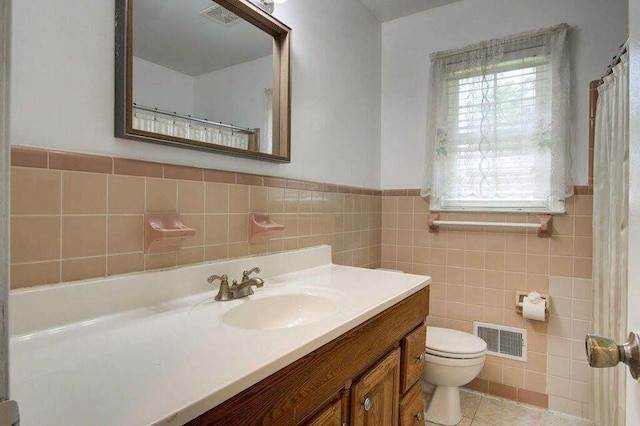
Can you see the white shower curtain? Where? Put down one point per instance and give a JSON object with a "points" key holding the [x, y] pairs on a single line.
{"points": [[610, 213]]}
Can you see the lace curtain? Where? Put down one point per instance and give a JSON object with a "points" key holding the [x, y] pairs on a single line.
{"points": [[498, 132], [610, 236]]}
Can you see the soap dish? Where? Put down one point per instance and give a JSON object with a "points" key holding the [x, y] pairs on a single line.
{"points": [[262, 228], [165, 233]]}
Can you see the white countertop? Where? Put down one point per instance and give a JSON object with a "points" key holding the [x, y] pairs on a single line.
{"points": [[169, 362]]}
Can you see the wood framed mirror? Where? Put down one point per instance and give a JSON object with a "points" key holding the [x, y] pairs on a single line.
{"points": [[211, 75]]}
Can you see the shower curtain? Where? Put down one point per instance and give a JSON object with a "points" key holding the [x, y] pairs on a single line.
{"points": [[610, 213]]}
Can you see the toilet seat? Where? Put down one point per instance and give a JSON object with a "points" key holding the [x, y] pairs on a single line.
{"points": [[454, 344]]}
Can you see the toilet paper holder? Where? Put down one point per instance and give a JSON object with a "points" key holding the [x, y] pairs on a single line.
{"points": [[520, 295]]}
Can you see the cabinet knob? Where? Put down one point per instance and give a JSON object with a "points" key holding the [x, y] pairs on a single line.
{"points": [[418, 416], [421, 358], [367, 404]]}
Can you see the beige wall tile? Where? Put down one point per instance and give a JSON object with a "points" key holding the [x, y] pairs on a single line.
{"points": [[583, 205], [583, 247], [536, 362], [83, 236], [159, 261], [216, 229], [238, 228], [190, 197], [35, 191], [126, 194], [515, 262], [582, 288], [258, 199], [81, 269], [125, 263], [161, 196], [216, 197], [582, 267], [238, 249], [35, 238], [125, 234], [31, 274], [561, 246], [215, 252], [583, 226], [513, 377], [536, 382], [238, 199], [84, 193], [190, 255]]}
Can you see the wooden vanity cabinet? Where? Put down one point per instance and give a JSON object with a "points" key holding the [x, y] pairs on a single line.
{"points": [[330, 385]]}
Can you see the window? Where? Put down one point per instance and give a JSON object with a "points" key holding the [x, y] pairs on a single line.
{"points": [[498, 125]]}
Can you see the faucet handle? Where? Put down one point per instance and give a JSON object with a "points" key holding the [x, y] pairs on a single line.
{"points": [[245, 274], [224, 279]]}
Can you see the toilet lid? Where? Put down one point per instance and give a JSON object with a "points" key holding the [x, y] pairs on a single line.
{"points": [[453, 343]]}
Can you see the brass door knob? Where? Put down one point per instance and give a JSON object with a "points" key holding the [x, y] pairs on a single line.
{"points": [[603, 352]]}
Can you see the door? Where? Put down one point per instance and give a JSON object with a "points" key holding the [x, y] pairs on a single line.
{"points": [[633, 313], [374, 397]]}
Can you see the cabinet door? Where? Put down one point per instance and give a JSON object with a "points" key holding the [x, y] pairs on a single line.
{"points": [[374, 397], [412, 407], [413, 358], [330, 416]]}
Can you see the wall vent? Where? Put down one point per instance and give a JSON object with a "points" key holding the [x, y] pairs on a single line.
{"points": [[220, 15], [502, 341]]}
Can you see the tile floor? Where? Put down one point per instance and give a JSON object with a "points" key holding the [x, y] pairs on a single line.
{"points": [[483, 410]]}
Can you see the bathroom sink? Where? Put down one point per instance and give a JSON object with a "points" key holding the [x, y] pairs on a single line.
{"points": [[280, 311]]}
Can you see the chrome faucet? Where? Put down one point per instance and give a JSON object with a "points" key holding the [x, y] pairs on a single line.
{"points": [[244, 288], [237, 290]]}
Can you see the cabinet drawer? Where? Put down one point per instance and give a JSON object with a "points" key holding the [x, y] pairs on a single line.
{"points": [[412, 358], [412, 407]]}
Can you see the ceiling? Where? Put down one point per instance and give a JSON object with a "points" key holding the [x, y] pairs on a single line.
{"points": [[387, 10], [173, 34]]}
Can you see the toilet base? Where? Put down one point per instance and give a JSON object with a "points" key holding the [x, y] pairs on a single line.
{"points": [[444, 407]]}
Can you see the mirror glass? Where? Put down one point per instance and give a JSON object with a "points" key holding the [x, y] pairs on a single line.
{"points": [[203, 76]]}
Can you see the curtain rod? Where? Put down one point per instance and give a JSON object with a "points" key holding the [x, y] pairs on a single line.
{"points": [[190, 118], [614, 61], [504, 40]]}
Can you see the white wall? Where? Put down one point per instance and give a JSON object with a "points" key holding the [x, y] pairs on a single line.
{"points": [[62, 93], [163, 88], [234, 95], [598, 28]]}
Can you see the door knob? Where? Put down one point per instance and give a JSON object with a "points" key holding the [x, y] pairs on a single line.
{"points": [[603, 352]]}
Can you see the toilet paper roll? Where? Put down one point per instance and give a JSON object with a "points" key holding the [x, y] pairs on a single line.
{"points": [[533, 307]]}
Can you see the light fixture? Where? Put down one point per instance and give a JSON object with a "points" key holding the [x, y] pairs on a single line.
{"points": [[267, 5]]}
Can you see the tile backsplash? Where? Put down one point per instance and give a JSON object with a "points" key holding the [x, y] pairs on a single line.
{"points": [[76, 217]]}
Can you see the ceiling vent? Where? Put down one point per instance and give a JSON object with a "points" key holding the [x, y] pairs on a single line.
{"points": [[220, 15]]}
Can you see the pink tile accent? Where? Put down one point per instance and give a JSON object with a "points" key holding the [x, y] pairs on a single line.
{"points": [[182, 172], [124, 166], [29, 157], [80, 162]]}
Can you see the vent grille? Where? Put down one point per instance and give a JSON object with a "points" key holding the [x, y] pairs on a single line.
{"points": [[505, 342], [220, 15]]}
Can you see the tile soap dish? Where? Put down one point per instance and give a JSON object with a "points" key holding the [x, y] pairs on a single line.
{"points": [[262, 228], [165, 233]]}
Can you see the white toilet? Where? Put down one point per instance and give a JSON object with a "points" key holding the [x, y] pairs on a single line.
{"points": [[453, 358]]}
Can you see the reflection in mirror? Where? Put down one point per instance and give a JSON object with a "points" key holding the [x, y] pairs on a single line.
{"points": [[201, 75]]}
